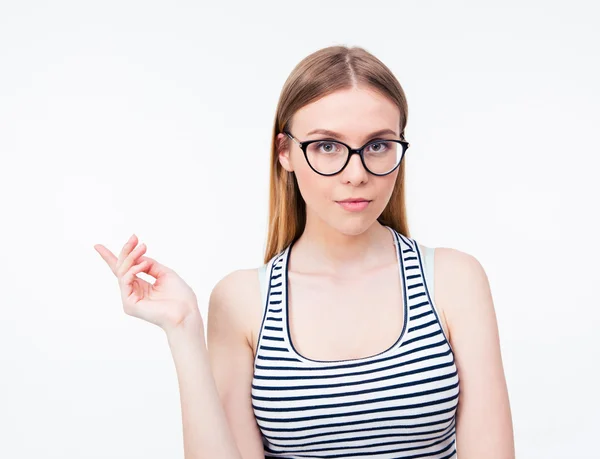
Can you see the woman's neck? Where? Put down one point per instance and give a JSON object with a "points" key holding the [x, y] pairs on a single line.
{"points": [[326, 249]]}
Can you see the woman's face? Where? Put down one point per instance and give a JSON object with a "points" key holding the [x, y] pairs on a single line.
{"points": [[354, 115]]}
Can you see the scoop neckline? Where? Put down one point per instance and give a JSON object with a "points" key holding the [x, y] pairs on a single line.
{"points": [[402, 277]]}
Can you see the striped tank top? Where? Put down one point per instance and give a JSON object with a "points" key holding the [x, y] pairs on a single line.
{"points": [[400, 403]]}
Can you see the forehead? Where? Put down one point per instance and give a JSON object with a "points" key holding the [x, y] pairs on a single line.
{"points": [[353, 112]]}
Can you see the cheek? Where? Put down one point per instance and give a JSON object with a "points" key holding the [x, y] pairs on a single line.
{"points": [[387, 183], [315, 189]]}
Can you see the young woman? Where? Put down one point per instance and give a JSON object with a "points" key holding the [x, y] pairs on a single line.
{"points": [[348, 351]]}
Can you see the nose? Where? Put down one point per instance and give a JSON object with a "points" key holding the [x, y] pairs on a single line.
{"points": [[354, 172]]}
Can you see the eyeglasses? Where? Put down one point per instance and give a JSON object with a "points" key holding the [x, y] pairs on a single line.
{"points": [[328, 157]]}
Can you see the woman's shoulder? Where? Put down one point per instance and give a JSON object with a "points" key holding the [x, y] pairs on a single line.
{"points": [[237, 285], [461, 284], [453, 262], [455, 265], [241, 289], [236, 298]]}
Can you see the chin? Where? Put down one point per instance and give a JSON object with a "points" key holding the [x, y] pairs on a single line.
{"points": [[351, 225]]}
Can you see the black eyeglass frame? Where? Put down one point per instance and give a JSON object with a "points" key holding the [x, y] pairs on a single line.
{"points": [[351, 151]]}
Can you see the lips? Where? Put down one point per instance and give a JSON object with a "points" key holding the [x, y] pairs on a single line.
{"points": [[354, 205]]}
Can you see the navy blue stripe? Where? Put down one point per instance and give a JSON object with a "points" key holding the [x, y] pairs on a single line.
{"points": [[348, 394], [271, 348], [368, 429], [289, 409], [370, 453], [273, 338], [378, 419]]}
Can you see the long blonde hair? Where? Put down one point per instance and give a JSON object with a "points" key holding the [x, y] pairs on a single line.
{"points": [[317, 75]]}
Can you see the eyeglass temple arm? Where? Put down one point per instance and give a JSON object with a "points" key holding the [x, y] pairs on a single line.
{"points": [[293, 138]]}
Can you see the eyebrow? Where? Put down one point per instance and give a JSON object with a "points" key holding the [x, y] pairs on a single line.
{"points": [[340, 136]]}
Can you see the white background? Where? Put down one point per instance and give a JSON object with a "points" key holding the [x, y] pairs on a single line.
{"points": [[155, 118]]}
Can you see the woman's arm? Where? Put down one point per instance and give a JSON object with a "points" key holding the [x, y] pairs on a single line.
{"points": [[215, 383], [206, 433], [484, 423], [235, 304]]}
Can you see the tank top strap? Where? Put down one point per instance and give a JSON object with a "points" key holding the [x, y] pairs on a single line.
{"points": [[272, 338], [423, 312]]}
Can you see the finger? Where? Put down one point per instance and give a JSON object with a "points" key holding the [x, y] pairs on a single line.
{"points": [[131, 259], [127, 248], [155, 269], [107, 256], [129, 277]]}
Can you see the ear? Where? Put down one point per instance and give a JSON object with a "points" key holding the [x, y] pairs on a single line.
{"points": [[283, 151]]}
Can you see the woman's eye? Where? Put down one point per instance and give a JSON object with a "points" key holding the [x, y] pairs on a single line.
{"points": [[378, 147], [327, 147]]}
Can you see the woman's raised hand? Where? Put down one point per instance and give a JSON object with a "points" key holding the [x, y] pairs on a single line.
{"points": [[168, 303]]}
